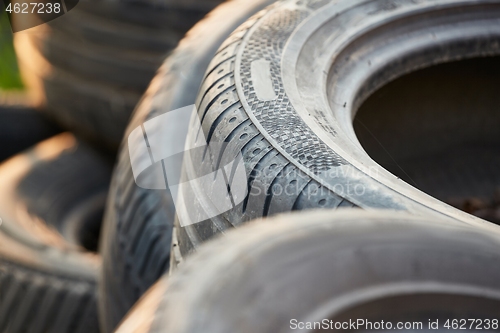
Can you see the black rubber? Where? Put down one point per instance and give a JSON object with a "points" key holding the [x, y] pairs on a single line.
{"points": [[456, 107], [138, 223], [68, 193], [273, 274], [21, 126], [97, 111], [132, 69], [173, 15], [51, 206], [108, 53], [282, 92], [110, 33]]}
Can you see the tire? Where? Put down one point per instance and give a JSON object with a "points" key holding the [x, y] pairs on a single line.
{"points": [[51, 207], [113, 33], [21, 126], [174, 15], [74, 187], [106, 64], [289, 114], [138, 222], [90, 108], [116, 48], [339, 266]]}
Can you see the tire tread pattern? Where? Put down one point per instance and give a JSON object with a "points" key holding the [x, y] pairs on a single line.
{"points": [[36, 301]]}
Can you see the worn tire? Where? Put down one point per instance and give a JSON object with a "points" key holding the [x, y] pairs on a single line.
{"points": [[175, 15], [138, 222], [132, 69], [339, 266], [110, 52], [68, 192], [274, 96], [113, 33], [51, 206], [96, 110], [21, 126]]}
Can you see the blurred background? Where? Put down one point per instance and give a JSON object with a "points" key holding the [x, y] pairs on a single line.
{"points": [[10, 80]]}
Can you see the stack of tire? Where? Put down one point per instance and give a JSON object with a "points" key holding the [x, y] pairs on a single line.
{"points": [[51, 207], [277, 86], [280, 93], [84, 71], [88, 68]]}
